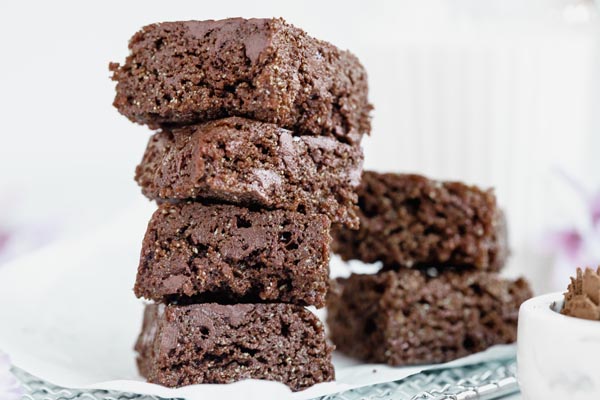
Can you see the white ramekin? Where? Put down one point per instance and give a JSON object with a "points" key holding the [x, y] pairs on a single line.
{"points": [[558, 356]]}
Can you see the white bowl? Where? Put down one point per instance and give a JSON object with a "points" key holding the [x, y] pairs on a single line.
{"points": [[558, 356]]}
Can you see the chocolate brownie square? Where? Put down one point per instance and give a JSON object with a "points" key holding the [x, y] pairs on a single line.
{"points": [[265, 69], [409, 220], [214, 343], [194, 252], [412, 316], [245, 162]]}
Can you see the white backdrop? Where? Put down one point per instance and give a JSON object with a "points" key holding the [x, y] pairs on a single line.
{"points": [[492, 92]]}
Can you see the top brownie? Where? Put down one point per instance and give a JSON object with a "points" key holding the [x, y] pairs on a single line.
{"points": [[410, 221], [264, 69]]}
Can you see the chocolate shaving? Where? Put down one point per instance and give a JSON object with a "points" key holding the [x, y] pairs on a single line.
{"points": [[582, 299]]}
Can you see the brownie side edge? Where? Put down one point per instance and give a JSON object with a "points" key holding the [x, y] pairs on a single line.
{"points": [[239, 161], [411, 221], [214, 343], [186, 72], [194, 252], [408, 317]]}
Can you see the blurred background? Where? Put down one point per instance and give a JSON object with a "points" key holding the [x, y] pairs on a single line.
{"points": [[498, 93]]}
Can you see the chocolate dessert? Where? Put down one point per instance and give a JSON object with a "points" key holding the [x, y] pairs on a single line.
{"points": [[413, 316], [257, 152], [214, 343], [224, 253], [409, 221], [265, 69]]}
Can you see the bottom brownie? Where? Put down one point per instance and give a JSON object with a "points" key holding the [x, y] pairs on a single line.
{"points": [[213, 343], [415, 317]]}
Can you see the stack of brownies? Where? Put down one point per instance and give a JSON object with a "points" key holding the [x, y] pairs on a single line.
{"points": [[257, 154], [438, 296]]}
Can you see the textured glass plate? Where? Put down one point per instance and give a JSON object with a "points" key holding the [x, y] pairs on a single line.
{"points": [[476, 382]]}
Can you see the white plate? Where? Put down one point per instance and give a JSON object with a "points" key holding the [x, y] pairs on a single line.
{"points": [[68, 315], [557, 355]]}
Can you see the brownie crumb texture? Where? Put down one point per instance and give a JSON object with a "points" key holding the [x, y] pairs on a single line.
{"points": [[411, 221], [186, 72], [213, 343], [414, 316]]}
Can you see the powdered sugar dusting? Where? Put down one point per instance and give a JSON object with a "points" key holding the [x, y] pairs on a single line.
{"points": [[266, 180]]}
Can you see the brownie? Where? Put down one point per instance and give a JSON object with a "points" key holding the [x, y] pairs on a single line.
{"points": [[240, 161], [264, 69], [215, 343], [414, 316], [409, 220], [224, 253]]}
